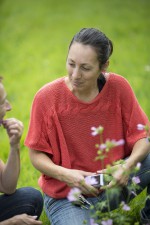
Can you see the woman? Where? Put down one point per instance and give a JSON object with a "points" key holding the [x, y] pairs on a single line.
{"points": [[24, 205], [64, 111]]}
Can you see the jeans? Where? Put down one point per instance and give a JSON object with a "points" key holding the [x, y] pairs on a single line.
{"points": [[63, 212], [25, 200]]}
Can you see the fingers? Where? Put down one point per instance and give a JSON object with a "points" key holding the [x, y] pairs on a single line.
{"points": [[76, 178], [110, 185], [33, 221], [88, 189], [14, 128], [24, 219], [119, 176], [13, 124], [102, 171]]}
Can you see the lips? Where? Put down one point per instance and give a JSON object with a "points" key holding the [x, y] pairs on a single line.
{"points": [[76, 83]]}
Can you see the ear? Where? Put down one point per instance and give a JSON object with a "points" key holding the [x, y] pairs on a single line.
{"points": [[105, 66]]}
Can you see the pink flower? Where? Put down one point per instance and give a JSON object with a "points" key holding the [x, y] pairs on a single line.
{"points": [[125, 207], [146, 128], [120, 142], [96, 131], [138, 165], [90, 180], [113, 143], [136, 180], [140, 126], [102, 146], [107, 222], [73, 195], [92, 222]]}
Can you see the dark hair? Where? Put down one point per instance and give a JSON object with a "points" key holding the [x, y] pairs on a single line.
{"points": [[98, 40]]}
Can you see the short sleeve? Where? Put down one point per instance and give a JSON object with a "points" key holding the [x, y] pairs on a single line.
{"points": [[37, 136], [132, 114]]}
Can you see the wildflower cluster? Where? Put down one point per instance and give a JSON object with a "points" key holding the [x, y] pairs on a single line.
{"points": [[103, 215], [146, 128]]}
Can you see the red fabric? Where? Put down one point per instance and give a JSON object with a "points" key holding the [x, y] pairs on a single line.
{"points": [[60, 125]]}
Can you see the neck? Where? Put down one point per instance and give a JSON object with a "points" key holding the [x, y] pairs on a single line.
{"points": [[86, 95]]}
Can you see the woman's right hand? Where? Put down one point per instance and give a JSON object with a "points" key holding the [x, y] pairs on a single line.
{"points": [[76, 178], [24, 219], [72, 177]]}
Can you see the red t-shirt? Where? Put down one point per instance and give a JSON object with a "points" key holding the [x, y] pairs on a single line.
{"points": [[60, 125]]}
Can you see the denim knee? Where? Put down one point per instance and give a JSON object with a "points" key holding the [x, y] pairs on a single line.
{"points": [[25, 200]]}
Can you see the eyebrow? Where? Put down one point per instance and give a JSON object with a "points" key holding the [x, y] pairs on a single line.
{"points": [[84, 64], [71, 60]]}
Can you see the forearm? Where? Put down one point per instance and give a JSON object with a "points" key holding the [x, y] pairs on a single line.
{"points": [[6, 222], [45, 165], [121, 172], [139, 152], [11, 170], [72, 177]]}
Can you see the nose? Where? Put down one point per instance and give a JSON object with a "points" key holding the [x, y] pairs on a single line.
{"points": [[8, 106], [76, 73]]}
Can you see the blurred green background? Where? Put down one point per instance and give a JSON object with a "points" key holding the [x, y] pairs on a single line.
{"points": [[34, 39]]}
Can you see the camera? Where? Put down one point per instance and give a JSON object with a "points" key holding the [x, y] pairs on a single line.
{"points": [[100, 179]]}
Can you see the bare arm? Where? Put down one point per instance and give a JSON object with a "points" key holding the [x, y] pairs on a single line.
{"points": [[140, 150], [73, 178], [9, 172], [22, 219]]}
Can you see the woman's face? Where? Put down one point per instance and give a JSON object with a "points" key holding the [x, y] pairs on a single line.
{"points": [[4, 104], [83, 67]]}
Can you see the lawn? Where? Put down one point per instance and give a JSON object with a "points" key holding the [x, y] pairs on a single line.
{"points": [[34, 39]]}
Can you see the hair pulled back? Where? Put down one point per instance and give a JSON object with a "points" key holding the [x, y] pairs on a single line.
{"points": [[96, 39]]}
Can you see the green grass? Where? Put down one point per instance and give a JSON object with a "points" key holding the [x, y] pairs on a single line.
{"points": [[34, 39]]}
